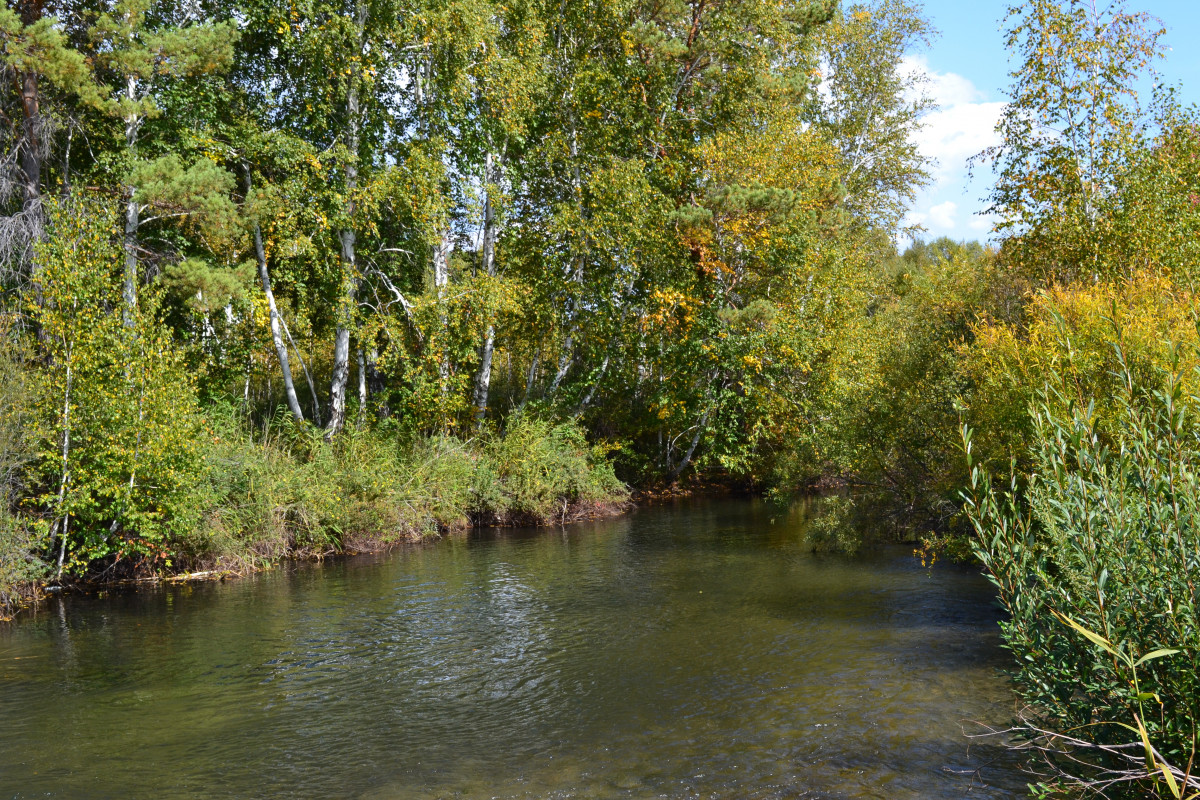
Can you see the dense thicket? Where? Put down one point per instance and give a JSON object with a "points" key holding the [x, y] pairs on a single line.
{"points": [[263, 263]]}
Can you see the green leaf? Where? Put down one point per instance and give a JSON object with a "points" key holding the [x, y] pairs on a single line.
{"points": [[1166, 651]]}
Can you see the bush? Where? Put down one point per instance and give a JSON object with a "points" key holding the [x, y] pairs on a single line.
{"points": [[1106, 533], [118, 425], [1066, 336], [20, 566], [290, 491], [541, 471]]}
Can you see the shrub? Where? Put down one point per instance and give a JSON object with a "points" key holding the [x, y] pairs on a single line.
{"points": [[1106, 533], [118, 425], [1066, 337], [287, 490], [542, 471], [20, 565]]}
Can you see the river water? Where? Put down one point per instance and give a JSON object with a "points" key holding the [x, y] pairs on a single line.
{"points": [[689, 651]]}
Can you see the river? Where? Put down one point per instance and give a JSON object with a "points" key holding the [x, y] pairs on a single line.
{"points": [[696, 650]]}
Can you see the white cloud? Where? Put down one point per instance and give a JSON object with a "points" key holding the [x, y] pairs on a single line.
{"points": [[942, 215], [963, 125], [948, 88], [981, 223]]}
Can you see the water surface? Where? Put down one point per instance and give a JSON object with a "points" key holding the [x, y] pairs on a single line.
{"points": [[692, 651]]}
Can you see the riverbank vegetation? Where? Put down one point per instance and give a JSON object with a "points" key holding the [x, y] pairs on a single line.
{"points": [[282, 281], [287, 281]]}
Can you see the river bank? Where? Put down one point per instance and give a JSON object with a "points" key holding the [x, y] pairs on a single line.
{"points": [[256, 501], [25, 595]]}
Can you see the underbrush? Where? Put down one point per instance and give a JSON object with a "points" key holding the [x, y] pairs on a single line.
{"points": [[21, 568], [286, 491], [261, 494], [1096, 557]]}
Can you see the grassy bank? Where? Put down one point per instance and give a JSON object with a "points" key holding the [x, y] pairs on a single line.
{"points": [[263, 495]]}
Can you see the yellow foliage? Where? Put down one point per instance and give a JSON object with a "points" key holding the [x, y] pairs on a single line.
{"points": [[1070, 331]]}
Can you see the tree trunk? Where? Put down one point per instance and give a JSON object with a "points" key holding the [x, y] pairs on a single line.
{"points": [[483, 378], [312, 387], [441, 278], [281, 352], [341, 341], [31, 143], [131, 262], [362, 388], [564, 364], [531, 376], [61, 523], [576, 275], [31, 134], [587, 399], [687, 457], [133, 123]]}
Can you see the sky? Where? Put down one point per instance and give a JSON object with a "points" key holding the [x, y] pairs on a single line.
{"points": [[968, 70]]}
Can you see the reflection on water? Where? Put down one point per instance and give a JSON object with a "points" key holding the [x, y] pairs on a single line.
{"points": [[689, 651]]}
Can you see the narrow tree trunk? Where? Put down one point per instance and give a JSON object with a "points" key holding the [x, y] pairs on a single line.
{"points": [[31, 143], [376, 385], [483, 378], [362, 388], [687, 457], [341, 341], [63, 519], [587, 399], [564, 364], [700, 426], [30, 149], [289, 386], [281, 352], [576, 275], [131, 262], [312, 386], [441, 278], [133, 123], [531, 376]]}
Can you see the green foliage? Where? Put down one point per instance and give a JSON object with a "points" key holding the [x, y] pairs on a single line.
{"points": [[885, 411], [288, 490], [21, 565], [870, 108], [1071, 131], [118, 425], [542, 471], [1063, 339], [1103, 532]]}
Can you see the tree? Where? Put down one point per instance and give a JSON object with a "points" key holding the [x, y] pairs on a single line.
{"points": [[119, 429], [35, 53], [1070, 130], [142, 52], [870, 104]]}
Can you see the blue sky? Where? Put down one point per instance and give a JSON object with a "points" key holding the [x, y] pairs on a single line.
{"points": [[968, 68]]}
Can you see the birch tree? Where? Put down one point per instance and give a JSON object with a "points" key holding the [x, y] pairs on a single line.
{"points": [[1071, 128]]}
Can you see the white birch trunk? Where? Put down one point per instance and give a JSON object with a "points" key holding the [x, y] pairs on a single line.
{"points": [[483, 378], [289, 386], [341, 342]]}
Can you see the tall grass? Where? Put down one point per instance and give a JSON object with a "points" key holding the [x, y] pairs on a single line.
{"points": [[285, 490]]}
